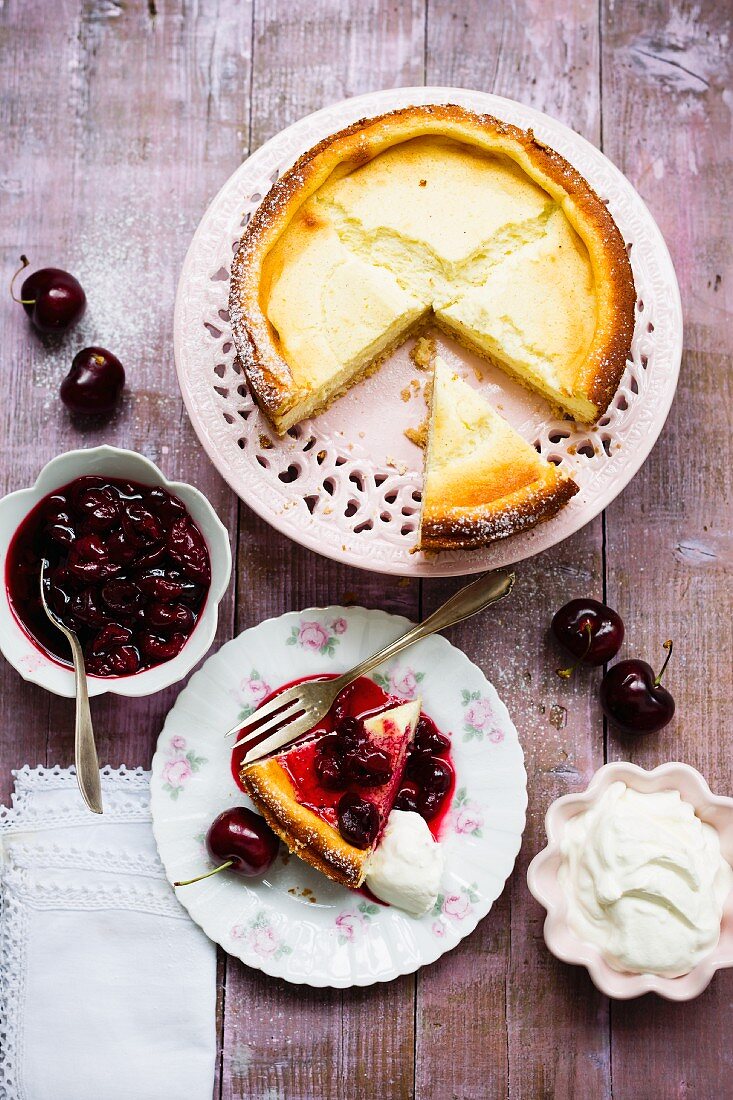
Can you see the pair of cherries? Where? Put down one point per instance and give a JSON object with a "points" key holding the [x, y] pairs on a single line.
{"points": [[54, 300], [631, 694]]}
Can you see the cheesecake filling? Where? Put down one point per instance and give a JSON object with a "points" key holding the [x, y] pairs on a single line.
{"points": [[432, 227]]}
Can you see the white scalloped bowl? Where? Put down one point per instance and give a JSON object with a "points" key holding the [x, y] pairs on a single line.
{"points": [[542, 879], [16, 644]]}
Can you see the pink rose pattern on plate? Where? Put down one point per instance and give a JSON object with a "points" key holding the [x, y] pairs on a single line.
{"points": [[400, 681], [350, 926], [454, 906], [263, 939], [478, 720], [314, 636], [178, 770], [467, 817], [252, 690]]}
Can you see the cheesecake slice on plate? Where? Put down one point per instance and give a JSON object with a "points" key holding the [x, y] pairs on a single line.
{"points": [[328, 799], [482, 480]]}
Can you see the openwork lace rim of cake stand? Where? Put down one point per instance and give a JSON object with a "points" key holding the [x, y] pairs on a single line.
{"points": [[309, 486]]}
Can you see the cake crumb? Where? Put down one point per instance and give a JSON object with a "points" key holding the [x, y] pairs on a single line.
{"points": [[419, 435], [405, 394], [423, 183], [423, 351], [265, 442], [400, 467]]}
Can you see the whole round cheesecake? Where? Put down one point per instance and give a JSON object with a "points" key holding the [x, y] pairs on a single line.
{"points": [[431, 214]]}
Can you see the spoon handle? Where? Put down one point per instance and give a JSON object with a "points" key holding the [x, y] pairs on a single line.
{"points": [[85, 751]]}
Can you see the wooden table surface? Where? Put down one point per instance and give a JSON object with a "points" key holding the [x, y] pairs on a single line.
{"points": [[119, 120]]}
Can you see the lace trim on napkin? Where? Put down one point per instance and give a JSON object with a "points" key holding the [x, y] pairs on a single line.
{"points": [[56, 777], [40, 895], [50, 856], [13, 941], [127, 793]]}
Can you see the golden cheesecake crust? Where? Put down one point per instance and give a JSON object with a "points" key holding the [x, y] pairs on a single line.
{"points": [[305, 834], [283, 399], [467, 528]]}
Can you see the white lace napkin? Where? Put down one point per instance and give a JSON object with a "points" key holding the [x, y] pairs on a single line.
{"points": [[107, 990]]}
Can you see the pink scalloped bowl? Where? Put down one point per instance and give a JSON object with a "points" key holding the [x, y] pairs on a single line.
{"points": [[542, 879]]}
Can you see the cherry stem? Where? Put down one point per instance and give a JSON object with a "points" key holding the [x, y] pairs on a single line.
{"points": [[24, 262], [668, 645], [200, 878], [566, 673]]}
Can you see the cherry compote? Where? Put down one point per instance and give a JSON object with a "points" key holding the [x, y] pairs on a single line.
{"points": [[128, 571], [341, 776]]}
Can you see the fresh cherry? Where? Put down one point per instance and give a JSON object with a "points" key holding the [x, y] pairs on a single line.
{"points": [[358, 820], [243, 840], [633, 698], [94, 384], [52, 298], [592, 632]]}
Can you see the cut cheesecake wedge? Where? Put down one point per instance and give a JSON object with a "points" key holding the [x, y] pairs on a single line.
{"points": [[482, 480], [323, 821]]}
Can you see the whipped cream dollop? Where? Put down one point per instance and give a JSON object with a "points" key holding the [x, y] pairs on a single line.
{"points": [[645, 881], [407, 864]]}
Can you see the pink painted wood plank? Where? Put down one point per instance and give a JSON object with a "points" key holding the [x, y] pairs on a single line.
{"points": [[300, 1042], [536, 1027], [667, 123]]}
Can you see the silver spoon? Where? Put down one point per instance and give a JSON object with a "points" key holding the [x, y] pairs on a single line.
{"points": [[85, 751]]}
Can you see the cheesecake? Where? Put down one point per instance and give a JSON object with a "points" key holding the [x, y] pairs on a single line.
{"points": [[482, 480], [329, 799], [431, 214]]}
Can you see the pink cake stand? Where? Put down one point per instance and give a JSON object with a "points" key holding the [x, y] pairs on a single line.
{"points": [[347, 483]]}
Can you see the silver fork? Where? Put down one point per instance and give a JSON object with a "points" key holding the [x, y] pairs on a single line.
{"points": [[297, 710], [85, 751]]}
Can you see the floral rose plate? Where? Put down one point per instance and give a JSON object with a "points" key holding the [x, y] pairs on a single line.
{"points": [[294, 923]]}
